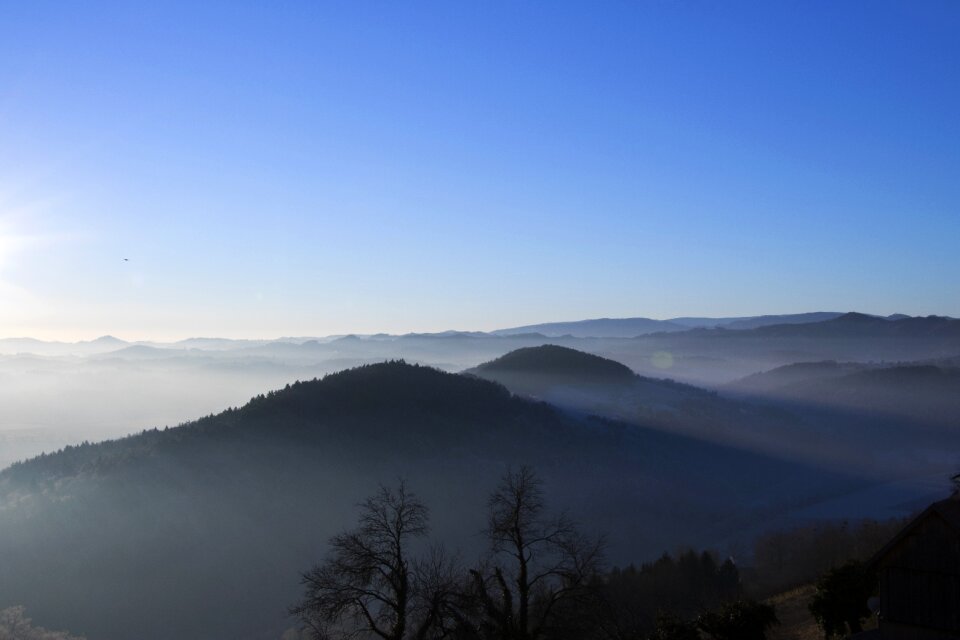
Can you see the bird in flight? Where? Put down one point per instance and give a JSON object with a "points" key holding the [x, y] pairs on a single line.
{"points": [[126, 259]]}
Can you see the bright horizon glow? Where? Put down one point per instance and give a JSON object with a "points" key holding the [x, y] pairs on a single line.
{"points": [[324, 169]]}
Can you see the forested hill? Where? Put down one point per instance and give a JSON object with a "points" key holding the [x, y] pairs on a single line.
{"points": [[582, 381], [215, 519], [592, 385], [555, 361], [797, 373], [371, 407]]}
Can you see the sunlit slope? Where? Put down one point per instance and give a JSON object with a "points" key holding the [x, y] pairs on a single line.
{"points": [[589, 384], [926, 394], [885, 422]]}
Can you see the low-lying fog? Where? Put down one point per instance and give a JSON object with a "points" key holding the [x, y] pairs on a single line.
{"points": [[55, 394], [47, 403]]}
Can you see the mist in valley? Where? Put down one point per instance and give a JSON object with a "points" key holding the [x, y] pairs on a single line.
{"points": [[860, 382]]}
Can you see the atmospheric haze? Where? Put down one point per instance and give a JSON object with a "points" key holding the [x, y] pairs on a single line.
{"points": [[477, 321]]}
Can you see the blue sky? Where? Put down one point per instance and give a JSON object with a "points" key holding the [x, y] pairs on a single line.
{"points": [[312, 168]]}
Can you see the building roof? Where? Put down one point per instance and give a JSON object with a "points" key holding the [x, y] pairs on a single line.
{"points": [[947, 510]]}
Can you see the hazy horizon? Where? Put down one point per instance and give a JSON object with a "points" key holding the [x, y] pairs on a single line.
{"points": [[487, 328], [243, 171]]}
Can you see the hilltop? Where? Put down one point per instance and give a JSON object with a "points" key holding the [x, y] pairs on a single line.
{"points": [[592, 385], [583, 381], [562, 363]]}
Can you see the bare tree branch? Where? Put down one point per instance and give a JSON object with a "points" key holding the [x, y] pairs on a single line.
{"points": [[538, 562], [366, 584]]}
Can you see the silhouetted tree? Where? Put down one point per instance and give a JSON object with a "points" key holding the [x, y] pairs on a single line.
{"points": [[441, 600], [538, 564], [840, 602], [370, 585], [728, 580], [740, 620]]}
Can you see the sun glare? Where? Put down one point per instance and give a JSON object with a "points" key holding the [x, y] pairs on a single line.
{"points": [[6, 248], [9, 241]]}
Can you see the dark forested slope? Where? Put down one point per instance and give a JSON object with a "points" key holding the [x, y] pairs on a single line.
{"points": [[200, 531]]}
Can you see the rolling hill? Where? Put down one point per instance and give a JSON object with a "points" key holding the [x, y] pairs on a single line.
{"points": [[845, 415], [925, 394], [781, 379], [590, 385], [216, 518]]}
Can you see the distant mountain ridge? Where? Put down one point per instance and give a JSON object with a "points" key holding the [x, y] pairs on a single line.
{"points": [[596, 328], [795, 318], [706, 357], [631, 327], [54, 347], [752, 322], [862, 325], [593, 328]]}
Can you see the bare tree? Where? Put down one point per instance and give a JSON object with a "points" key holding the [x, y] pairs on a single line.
{"points": [[442, 600], [369, 585], [537, 564]]}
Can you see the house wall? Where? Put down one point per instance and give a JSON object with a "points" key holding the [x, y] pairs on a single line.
{"points": [[920, 583], [895, 631]]}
